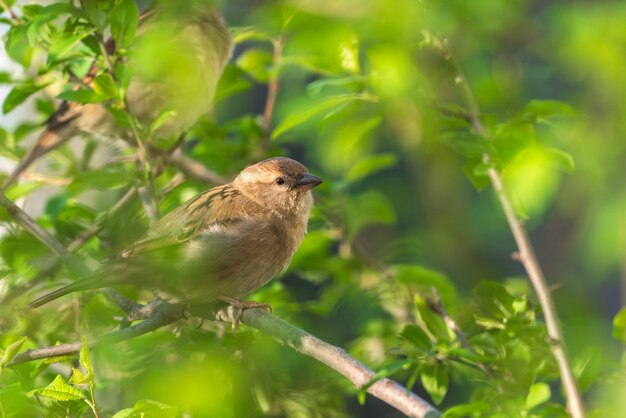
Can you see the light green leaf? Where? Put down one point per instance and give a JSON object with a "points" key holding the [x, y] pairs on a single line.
{"points": [[147, 408], [539, 393], [244, 34], [124, 19], [64, 44], [84, 357], [19, 94], [325, 105], [368, 208], [619, 325], [385, 371], [257, 63], [560, 159], [82, 96], [369, 165], [434, 378], [11, 351], [17, 45], [59, 390], [104, 86]]}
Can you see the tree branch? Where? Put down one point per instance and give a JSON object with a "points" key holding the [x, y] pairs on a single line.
{"points": [[526, 252], [161, 314]]}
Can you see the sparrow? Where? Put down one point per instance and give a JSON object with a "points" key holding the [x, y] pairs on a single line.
{"points": [[219, 245], [178, 57]]}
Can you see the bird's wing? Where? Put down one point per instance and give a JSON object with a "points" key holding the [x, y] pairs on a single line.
{"points": [[208, 212]]}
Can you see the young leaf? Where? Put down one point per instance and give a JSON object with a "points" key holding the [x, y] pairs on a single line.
{"points": [[256, 63], [369, 165], [387, 370], [619, 326], [148, 408], [434, 378], [124, 19], [325, 105], [538, 394], [59, 390], [82, 96], [104, 85], [85, 358], [11, 351], [64, 44]]}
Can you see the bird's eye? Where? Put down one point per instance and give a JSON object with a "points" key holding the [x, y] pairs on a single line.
{"points": [[280, 181]]}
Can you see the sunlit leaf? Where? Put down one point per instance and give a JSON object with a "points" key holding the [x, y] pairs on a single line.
{"points": [[539, 393], [19, 94], [325, 105], [124, 19], [434, 378], [257, 63], [11, 351], [59, 390], [82, 96], [148, 408], [619, 325], [369, 165]]}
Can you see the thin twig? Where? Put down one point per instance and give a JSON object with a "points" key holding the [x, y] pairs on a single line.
{"points": [[28, 223], [12, 15], [194, 170], [273, 86], [526, 252]]}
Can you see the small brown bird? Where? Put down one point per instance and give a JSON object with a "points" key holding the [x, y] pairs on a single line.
{"points": [[178, 57], [221, 244]]}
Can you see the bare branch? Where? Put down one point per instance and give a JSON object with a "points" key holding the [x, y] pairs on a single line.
{"points": [[194, 170]]}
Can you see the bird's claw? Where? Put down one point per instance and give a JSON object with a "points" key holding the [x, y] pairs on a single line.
{"points": [[240, 306]]}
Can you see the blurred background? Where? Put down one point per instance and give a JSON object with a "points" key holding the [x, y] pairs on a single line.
{"points": [[361, 87]]}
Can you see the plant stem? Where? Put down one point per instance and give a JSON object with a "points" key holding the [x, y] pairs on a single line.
{"points": [[526, 252]]}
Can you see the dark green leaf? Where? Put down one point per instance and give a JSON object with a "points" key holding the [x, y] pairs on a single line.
{"points": [[124, 19], [434, 378], [233, 81], [467, 144], [93, 13], [494, 299], [539, 110], [5, 77], [476, 171], [416, 336]]}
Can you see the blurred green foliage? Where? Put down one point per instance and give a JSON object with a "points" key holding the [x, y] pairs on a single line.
{"points": [[369, 98]]}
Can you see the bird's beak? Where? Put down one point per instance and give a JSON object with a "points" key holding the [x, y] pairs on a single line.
{"points": [[308, 181]]}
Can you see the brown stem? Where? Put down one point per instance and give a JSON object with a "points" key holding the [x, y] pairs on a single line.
{"points": [[526, 252], [273, 86]]}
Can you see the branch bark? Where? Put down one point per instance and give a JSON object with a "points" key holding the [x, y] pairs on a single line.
{"points": [[162, 314]]}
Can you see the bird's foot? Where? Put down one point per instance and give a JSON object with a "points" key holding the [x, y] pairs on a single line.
{"points": [[240, 306]]}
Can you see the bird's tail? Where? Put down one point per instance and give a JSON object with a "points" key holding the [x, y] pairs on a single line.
{"points": [[84, 284]]}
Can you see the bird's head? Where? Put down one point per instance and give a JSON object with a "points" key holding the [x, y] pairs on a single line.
{"points": [[280, 184]]}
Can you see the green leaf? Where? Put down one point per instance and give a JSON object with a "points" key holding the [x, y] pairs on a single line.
{"points": [[385, 371], [84, 357], [5, 77], [368, 208], [434, 378], [64, 44], [244, 34], [328, 104], [540, 110], [59, 390], [369, 165], [104, 86], [147, 408], [19, 94], [124, 19], [11, 351], [422, 279], [93, 13], [560, 159], [539, 393], [82, 96], [588, 366], [494, 299], [431, 321], [467, 410], [17, 45], [233, 81], [416, 336], [257, 63], [467, 144], [619, 325]]}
